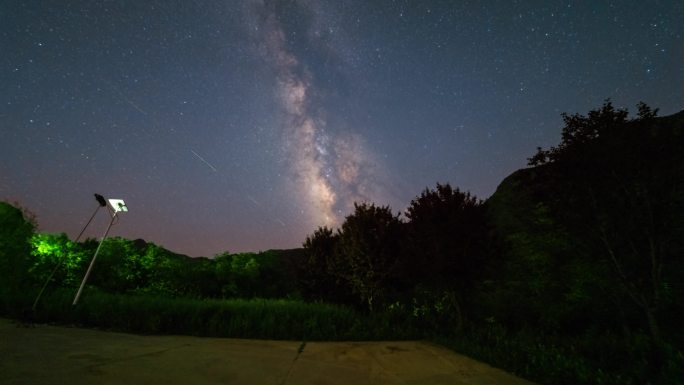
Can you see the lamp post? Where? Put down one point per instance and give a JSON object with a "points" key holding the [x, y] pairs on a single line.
{"points": [[118, 206], [100, 203]]}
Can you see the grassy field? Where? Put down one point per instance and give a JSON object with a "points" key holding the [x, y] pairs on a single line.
{"points": [[237, 318]]}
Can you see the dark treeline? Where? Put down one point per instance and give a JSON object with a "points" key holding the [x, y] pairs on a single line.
{"points": [[592, 234], [375, 260], [571, 272]]}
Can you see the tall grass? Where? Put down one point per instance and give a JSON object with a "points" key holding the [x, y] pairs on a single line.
{"points": [[235, 318], [557, 360]]}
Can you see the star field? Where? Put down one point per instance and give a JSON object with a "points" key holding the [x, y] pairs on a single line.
{"points": [[244, 125]]}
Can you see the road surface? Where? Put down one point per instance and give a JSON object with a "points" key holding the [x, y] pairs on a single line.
{"points": [[59, 355]]}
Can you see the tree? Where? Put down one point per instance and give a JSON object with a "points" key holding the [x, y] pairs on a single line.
{"points": [[118, 268], [57, 255], [162, 268], [16, 230], [537, 274], [446, 230], [368, 253], [238, 274], [580, 132], [318, 274], [618, 185], [446, 239]]}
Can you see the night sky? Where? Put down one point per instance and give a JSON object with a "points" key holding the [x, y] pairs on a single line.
{"points": [[244, 125]]}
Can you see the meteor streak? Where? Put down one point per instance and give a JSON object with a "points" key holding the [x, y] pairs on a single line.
{"points": [[253, 200], [202, 159]]}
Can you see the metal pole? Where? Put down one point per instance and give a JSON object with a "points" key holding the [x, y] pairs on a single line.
{"points": [[80, 289], [59, 263]]}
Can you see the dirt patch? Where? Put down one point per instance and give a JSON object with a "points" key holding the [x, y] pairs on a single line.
{"points": [[58, 355]]}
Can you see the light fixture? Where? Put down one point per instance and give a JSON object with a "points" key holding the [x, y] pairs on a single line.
{"points": [[118, 205]]}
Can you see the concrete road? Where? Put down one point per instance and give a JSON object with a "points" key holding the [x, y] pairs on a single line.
{"points": [[58, 355]]}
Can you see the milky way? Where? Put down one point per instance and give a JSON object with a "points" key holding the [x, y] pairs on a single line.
{"points": [[330, 170]]}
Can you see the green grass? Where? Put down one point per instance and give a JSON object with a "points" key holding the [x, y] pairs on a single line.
{"points": [[235, 318]]}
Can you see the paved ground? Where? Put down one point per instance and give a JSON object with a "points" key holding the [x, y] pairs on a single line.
{"points": [[56, 355]]}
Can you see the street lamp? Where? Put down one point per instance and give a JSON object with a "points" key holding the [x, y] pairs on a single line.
{"points": [[117, 206], [101, 203]]}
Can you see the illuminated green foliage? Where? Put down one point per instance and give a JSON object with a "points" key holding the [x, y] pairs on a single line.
{"points": [[52, 251]]}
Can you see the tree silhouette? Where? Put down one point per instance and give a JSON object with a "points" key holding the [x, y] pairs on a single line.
{"points": [[618, 185], [580, 132], [446, 232], [317, 274], [368, 253], [16, 229], [445, 228]]}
